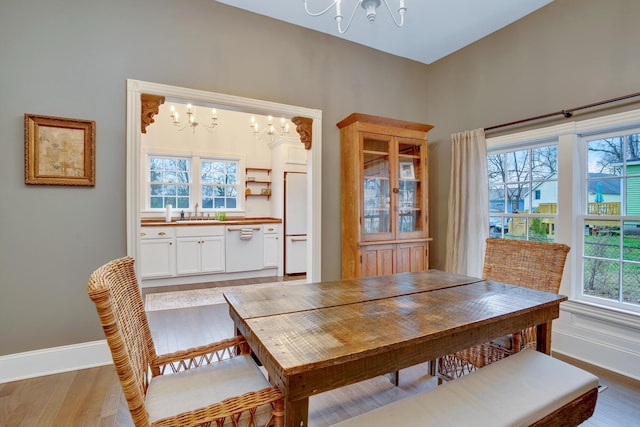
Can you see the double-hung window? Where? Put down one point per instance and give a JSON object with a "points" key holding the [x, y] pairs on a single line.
{"points": [[169, 182], [219, 184], [577, 183], [610, 214], [523, 192], [184, 181]]}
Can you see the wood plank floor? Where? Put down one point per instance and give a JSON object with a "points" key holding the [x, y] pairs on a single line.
{"points": [[93, 397]]}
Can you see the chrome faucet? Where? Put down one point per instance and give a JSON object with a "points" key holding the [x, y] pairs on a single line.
{"points": [[196, 211]]}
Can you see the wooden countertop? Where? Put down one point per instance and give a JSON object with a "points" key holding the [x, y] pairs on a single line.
{"points": [[231, 221]]}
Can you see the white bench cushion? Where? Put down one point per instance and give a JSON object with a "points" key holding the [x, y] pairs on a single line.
{"points": [[515, 391], [186, 391]]}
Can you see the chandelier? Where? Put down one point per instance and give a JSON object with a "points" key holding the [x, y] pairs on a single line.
{"points": [[192, 121], [369, 6], [270, 129]]}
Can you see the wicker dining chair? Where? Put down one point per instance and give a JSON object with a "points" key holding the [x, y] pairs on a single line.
{"points": [[534, 265], [216, 384]]}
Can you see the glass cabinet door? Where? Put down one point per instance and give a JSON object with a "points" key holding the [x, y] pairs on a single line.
{"points": [[411, 188], [376, 187]]}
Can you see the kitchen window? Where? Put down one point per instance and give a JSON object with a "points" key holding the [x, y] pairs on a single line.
{"points": [[182, 182], [169, 182], [219, 184]]}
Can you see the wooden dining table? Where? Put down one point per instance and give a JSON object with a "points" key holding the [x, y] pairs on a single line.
{"points": [[320, 336]]}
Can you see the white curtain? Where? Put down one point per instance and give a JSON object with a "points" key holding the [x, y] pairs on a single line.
{"points": [[468, 225]]}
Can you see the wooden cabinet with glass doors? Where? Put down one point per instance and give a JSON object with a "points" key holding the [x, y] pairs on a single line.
{"points": [[384, 215]]}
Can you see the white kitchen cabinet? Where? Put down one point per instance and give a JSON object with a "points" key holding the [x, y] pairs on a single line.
{"points": [[200, 250], [271, 245], [157, 252]]}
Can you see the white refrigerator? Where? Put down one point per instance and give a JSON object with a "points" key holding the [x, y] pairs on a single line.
{"points": [[295, 222]]}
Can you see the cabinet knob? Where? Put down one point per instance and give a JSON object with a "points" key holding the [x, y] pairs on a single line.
{"points": [[162, 233], [143, 234], [396, 190]]}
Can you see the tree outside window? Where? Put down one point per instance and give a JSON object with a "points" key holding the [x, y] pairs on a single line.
{"points": [[611, 260], [169, 182]]}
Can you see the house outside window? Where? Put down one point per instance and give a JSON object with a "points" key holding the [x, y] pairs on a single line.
{"points": [[589, 198], [518, 177], [611, 216]]}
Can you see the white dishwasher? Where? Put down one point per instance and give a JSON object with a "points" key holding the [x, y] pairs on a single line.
{"points": [[244, 248]]}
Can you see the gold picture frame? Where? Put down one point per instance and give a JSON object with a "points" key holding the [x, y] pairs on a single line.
{"points": [[59, 151]]}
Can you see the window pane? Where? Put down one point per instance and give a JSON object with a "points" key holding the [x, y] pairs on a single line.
{"points": [[156, 202], [544, 162], [183, 202], [495, 167], [517, 166], [541, 229], [632, 199], [545, 197], [170, 164], [633, 148], [631, 241], [155, 176], [601, 278], [604, 156], [631, 282], [602, 239], [516, 194], [156, 189], [496, 199]]}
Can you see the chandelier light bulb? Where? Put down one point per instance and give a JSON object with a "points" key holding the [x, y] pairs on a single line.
{"points": [[192, 120]]}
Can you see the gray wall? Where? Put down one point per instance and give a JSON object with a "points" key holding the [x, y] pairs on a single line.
{"points": [[567, 54], [71, 58]]}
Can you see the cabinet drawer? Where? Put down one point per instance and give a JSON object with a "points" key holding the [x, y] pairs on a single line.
{"points": [[200, 230], [157, 233], [270, 228]]}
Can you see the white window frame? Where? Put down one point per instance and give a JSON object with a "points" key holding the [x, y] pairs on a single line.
{"points": [[582, 215], [570, 217], [527, 216], [195, 190]]}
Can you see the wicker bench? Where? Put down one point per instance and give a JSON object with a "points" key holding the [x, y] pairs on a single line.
{"points": [[528, 388]]}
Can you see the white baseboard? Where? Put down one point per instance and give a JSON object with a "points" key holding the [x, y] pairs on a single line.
{"points": [[604, 338], [30, 364]]}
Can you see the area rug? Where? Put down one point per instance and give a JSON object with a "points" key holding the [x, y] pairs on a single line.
{"points": [[196, 297]]}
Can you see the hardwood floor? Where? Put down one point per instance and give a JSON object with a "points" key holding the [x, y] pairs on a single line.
{"points": [[93, 397]]}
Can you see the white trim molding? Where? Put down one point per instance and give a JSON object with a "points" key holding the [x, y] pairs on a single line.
{"points": [[314, 160], [599, 336], [55, 360]]}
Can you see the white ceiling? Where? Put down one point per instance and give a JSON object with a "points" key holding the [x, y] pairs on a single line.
{"points": [[433, 28]]}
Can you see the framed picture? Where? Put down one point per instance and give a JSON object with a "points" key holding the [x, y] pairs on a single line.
{"points": [[406, 170], [59, 151]]}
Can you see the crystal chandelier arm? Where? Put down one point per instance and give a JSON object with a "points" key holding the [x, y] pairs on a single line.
{"points": [[401, 11]]}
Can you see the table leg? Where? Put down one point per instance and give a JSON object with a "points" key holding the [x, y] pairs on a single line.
{"points": [[543, 338], [296, 413]]}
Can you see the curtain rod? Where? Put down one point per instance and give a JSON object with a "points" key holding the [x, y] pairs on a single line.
{"points": [[565, 113]]}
